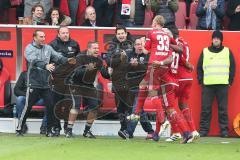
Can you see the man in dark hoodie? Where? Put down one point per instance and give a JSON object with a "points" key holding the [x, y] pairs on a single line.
{"points": [[233, 12], [216, 70], [117, 59], [68, 48]]}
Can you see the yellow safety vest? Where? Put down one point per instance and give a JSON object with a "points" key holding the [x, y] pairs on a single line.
{"points": [[216, 67]]}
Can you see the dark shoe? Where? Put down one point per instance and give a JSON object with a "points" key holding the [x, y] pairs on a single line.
{"points": [[88, 134], [24, 129], [203, 134], [69, 133], [155, 137], [57, 132], [50, 133], [123, 134], [43, 130], [19, 133], [224, 135], [186, 137]]}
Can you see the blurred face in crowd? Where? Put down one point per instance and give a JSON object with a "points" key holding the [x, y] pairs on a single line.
{"points": [[91, 14], [63, 34], [121, 35], [94, 49], [55, 14], [38, 12], [138, 46], [39, 38], [216, 42]]}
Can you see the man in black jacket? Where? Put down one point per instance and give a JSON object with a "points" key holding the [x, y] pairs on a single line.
{"points": [[41, 60], [117, 59], [82, 86], [233, 12], [90, 18], [68, 48], [134, 78], [20, 90], [216, 70]]}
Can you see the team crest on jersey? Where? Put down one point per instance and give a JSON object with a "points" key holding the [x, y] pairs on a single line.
{"points": [[70, 48], [141, 60]]}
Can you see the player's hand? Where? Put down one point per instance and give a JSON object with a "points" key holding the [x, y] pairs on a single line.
{"points": [[50, 67], [190, 67], [72, 60], [156, 64]]}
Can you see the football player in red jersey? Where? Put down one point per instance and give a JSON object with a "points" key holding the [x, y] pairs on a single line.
{"points": [[159, 76], [185, 82]]}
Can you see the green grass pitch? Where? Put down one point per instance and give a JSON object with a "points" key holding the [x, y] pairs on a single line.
{"points": [[36, 147]]}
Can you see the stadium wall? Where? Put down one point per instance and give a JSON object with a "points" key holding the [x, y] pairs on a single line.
{"points": [[13, 40]]}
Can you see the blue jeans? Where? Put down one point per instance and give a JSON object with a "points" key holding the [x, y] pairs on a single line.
{"points": [[20, 103], [144, 121]]}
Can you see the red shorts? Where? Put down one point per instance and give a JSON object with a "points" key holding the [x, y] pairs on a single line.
{"points": [[157, 77], [168, 95], [184, 90]]}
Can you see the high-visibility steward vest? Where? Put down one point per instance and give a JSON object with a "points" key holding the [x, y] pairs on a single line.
{"points": [[216, 67]]}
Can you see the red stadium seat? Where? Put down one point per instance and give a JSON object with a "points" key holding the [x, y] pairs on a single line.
{"points": [[107, 96], [181, 16], [12, 16], [193, 17], [5, 89]]}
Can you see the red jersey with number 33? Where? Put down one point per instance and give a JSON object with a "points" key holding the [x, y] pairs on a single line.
{"points": [[157, 43]]}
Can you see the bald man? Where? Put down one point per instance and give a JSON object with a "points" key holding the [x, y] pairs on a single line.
{"points": [[90, 17]]}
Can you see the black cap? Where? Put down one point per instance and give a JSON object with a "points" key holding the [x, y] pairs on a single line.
{"points": [[217, 34]]}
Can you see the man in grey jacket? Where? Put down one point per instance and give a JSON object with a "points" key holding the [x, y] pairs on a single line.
{"points": [[40, 58]]}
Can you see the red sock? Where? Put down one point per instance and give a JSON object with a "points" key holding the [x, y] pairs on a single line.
{"points": [[142, 95], [158, 126], [189, 119], [174, 127], [174, 117], [159, 110]]}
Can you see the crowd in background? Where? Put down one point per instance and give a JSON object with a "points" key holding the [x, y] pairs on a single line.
{"points": [[211, 14]]}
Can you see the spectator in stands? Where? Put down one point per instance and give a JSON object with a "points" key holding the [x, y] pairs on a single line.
{"points": [[117, 60], [29, 4], [41, 60], [210, 14], [55, 17], [233, 12], [20, 90], [90, 17], [105, 10], [68, 48], [4, 6], [167, 9], [135, 15], [134, 78], [216, 70], [37, 16]]}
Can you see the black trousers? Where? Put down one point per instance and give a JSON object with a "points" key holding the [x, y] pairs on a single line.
{"points": [[209, 92], [123, 100], [104, 12], [34, 95]]}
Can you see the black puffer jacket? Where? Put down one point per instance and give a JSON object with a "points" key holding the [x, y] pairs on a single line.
{"points": [[68, 49], [166, 9]]}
